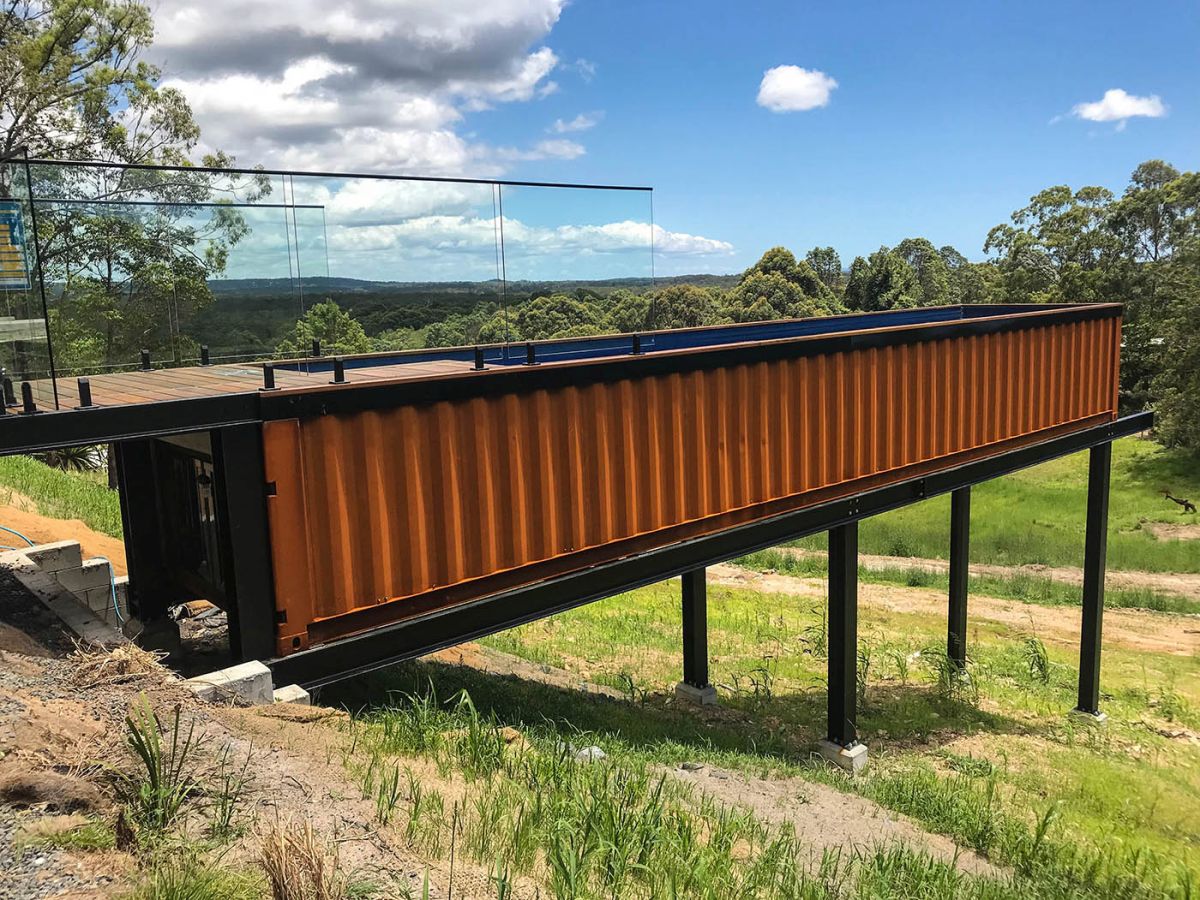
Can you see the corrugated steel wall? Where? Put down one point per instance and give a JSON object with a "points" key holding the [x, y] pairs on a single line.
{"points": [[383, 505]]}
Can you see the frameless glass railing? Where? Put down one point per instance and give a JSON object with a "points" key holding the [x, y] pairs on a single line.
{"points": [[188, 266]]}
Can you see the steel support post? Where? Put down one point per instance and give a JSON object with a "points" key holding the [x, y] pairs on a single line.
{"points": [[145, 560], [1095, 550], [241, 485], [960, 540], [843, 634], [695, 629]]}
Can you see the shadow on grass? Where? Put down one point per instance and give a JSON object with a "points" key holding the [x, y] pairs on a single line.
{"points": [[778, 730]]}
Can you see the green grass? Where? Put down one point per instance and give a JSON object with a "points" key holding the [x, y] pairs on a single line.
{"points": [[63, 495], [86, 838], [1023, 586], [1036, 516], [185, 876], [1072, 810], [609, 828]]}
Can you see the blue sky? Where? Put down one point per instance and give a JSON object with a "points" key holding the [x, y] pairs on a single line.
{"points": [[940, 124], [945, 117]]}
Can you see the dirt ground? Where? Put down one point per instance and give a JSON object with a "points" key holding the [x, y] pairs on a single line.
{"points": [[1184, 584], [1132, 628], [21, 514]]}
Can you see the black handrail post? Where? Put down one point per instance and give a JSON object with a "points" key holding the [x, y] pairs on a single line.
{"points": [[960, 540], [204, 360], [695, 687], [1094, 556], [27, 403], [85, 392], [478, 359], [339, 371], [145, 363]]}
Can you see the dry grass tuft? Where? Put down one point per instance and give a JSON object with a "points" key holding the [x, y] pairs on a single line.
{"points": [[129, 662], [300, 865]]}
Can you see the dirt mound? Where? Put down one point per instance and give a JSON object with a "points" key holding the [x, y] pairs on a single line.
{"points": [[23, 787], [20, 513], [1166, 531]]}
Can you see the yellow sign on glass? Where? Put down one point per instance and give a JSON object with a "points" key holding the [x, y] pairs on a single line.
{"points": [[14, 263]]}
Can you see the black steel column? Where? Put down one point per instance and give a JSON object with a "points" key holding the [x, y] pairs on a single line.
{"points": [[137, 489], [843, 634], [242, 487], [695, 629], [1095, 550], [960, 541]]}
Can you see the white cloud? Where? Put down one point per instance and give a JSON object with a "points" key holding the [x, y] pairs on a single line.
{"points": [[793, 89], [358, 84], [556, 148], [1117, 106], [581, 122]]}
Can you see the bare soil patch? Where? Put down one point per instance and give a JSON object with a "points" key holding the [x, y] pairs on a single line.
{"points": [[1132, 628], [1167, 531], [1185, 584], [20, 513], [825, 818]]}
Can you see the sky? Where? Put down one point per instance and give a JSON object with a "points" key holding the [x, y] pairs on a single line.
{"points": [[852, 124]]}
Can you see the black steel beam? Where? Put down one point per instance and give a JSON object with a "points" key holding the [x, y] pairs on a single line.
{"points": [[1095, 551], [241, 486], [695, 629], [467, 621], [842, 643], [101, 424], [960, 540]]}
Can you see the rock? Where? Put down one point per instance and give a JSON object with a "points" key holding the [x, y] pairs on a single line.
{"points": [[691, 766], [590, 754]]}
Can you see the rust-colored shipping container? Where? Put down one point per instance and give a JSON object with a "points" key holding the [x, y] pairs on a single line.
{"points": [[414, 500], [472, 482]]}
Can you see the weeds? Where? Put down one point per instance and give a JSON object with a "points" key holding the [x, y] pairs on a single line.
{"points": [[166, 780], [1037, 661], [187, 877], [300, 865], [231, 784]]}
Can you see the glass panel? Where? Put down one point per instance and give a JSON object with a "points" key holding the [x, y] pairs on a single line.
{"points": [[24, 343], [132, 260], [577, 261], [415, 263]]}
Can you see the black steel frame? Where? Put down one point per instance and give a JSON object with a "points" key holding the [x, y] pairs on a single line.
{"points": [[842, 641], [423, 634], [1094, 554], [960, 542], [695, 628]]}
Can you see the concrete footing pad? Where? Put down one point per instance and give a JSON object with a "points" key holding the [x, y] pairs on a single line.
{"points": [[701, 696], [852, 759], [248, 682], [293, 693]]}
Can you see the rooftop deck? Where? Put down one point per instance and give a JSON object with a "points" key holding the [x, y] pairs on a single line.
{"points": [[172, 400]]}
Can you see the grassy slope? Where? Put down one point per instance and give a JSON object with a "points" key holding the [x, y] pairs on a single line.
{"points": [[1122, 790], [63, 495], [1037, 515]]}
